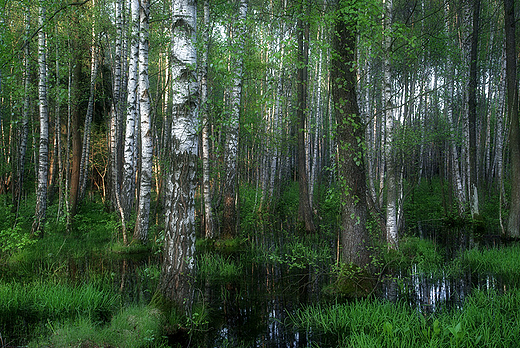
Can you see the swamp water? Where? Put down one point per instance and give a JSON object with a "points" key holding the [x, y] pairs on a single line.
{"points": [[255, 309]]}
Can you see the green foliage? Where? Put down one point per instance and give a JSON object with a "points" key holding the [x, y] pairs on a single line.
{"points": [[421, 252], [488, 320], [294, 252], [352, 281], [215, 267]]}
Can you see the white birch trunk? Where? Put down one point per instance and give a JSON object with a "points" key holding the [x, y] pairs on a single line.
{"points": [[179, 249], [85, 153], [115, 119], [145, 185], [130, 146], [231, 147], [43, 163], [206, 184], [391, 182]]}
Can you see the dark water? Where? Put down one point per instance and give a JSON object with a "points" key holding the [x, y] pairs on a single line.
{"points": [[254, 310]]}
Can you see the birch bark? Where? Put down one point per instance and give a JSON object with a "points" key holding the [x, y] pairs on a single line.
{"points": [[391, 181], [179, 248], [145, 185], [206, 184], [130, 147], [43, 163], [229, 219]]}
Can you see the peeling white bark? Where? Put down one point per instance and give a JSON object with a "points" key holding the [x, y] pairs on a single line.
{"points": [[143, 211], [130, 146], [43, 162], [178, 263]]}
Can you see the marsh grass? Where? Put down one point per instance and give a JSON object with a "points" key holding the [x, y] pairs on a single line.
{"points": [[28, 307], [503, 261], [216, 267], [132, 327], [486, 319]]}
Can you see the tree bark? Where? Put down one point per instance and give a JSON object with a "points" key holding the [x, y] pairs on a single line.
{"points": [[206, 184], [230, 217], [350, 135], [472, 112], [145, 185], [513, 225], [43, 161], [179, 248], [304, 208], [391, 180], [130, 147]]}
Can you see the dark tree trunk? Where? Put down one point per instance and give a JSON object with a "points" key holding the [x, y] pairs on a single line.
{"points": [[513, 226], [350, 137]]}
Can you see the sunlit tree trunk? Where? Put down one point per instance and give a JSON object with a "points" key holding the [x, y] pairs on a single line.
{"points": [[43, 162], [513, 224], [130, 146], [206, 188], [350, 137], [145, 185], [230, 217], [180, 183]]}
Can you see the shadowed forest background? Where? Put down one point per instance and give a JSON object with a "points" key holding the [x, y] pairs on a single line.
{"points": [[155, 155]]}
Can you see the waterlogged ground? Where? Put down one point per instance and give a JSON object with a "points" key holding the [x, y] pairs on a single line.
{"points": [[262, 301]]}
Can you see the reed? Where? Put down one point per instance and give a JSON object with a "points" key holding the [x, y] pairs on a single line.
{"points": [[487, 319]]}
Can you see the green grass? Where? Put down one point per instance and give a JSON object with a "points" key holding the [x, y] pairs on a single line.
{"points": [[501, 261], [132, 327], [216, 267], [487, 319]]}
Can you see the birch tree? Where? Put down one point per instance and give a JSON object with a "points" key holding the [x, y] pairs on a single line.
{"points": [[130, 146], [179, 245], [145, 184], [391, 179], [24, 129], [229, 218], [304, 208], [206, 189], [43, 161]]}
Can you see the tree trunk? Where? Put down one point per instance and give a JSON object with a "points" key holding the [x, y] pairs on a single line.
{"points": [[115, 121], [43, 161], [304, 208], [85, 153], [145, 185], [391, 180], [230, 218], [179, 244], [24, 130], [513, 225], [206, 184], [130, 147], [472, 112], [350, 135]]}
